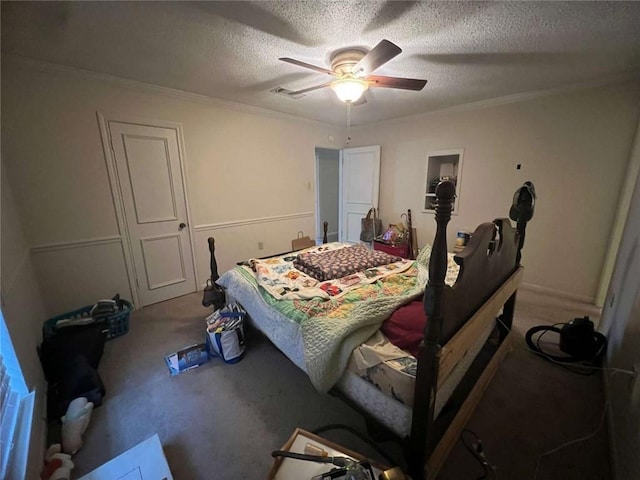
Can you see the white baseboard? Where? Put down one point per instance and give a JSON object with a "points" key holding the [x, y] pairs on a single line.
{"points": [[558, 293]]}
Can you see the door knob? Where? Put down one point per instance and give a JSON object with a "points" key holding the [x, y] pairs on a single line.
{"points": [[182, 226]]}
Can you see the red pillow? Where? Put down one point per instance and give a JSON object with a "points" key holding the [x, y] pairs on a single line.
{"points": [[405, 327]]}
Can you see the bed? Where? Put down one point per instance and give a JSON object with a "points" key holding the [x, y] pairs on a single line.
{"points": [[425, 397]]}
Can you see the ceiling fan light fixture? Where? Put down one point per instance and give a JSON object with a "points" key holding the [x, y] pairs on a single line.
{"points": [[349, 90]]}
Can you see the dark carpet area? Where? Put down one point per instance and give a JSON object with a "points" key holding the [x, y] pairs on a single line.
{"points": [[222, 421]]}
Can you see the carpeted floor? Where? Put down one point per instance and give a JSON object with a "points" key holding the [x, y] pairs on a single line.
{"points": [[222, 421]]}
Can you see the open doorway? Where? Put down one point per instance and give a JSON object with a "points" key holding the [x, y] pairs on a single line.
{"points": [[347, 184], [327, 193]]}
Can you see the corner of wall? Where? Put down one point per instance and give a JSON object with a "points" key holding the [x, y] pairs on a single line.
{"points": [[633, 171], [24, 312]]}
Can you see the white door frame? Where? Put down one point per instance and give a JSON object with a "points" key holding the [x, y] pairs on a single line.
{"points": [[319, 226], [116, 192], [317, 206], [340, 209]]}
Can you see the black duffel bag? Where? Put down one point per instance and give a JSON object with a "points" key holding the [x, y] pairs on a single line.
{"points": [[79, 380], [70, 359], [69, 342]]}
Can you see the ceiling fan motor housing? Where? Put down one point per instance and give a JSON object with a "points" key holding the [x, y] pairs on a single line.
{"points": [[343, 61]]}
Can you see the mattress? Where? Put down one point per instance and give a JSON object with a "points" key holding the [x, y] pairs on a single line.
{"points": [[395, 380], [283, 332]]}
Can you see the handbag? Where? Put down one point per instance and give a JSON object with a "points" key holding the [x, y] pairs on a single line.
{"points": [[370, 226], [302, 242]]}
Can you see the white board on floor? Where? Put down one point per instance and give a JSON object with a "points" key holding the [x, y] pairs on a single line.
{"points": [[145, 461]]}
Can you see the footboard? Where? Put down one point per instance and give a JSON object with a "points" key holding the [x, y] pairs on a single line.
{"points": [[460, 317], [454, 351]]}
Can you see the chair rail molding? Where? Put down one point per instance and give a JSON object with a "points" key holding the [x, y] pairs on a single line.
{"points": [[251, 221], [49, 247]]}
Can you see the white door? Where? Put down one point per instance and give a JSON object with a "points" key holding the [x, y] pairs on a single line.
{"points": [[150, 178], [360, 177]]}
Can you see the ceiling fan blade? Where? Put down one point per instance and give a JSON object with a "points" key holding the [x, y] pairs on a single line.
{"points": [[310, 89], [377, 56], [396, 82], [307, 65]]}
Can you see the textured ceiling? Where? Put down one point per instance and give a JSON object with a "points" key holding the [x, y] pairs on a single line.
{"points": [[469, 51]]}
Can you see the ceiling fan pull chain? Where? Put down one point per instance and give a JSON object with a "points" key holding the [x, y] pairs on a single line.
{"points": [[348, 122]]}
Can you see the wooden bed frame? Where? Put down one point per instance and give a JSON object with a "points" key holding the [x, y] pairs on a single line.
{"points": [[485, 290]]}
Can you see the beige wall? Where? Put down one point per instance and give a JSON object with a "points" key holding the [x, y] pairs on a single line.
{"points": [[573, 146], [250, 175], [24, 312], [621, 324]]}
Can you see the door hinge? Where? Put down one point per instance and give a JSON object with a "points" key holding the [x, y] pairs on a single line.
{"points": [[137, 283]]}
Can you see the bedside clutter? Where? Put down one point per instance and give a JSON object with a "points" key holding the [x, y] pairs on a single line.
{"points": [[399, 239], [462, 238], [400, 249]]}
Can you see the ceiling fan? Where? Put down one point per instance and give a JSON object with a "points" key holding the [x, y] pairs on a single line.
{"points": [[352, 69]]}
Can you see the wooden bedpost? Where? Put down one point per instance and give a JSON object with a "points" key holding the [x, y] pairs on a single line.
{"points": [[423, 439], [521, 212], [325, 227], [212, 262], [412, 253]]}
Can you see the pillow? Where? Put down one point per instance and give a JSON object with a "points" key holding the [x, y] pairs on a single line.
{"points": [[405, 327], [424, 255]]}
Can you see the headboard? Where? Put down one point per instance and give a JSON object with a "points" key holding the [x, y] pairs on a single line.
{"points": [[485, 263]]}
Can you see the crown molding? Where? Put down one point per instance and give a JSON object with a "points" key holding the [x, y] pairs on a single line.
{"points": [[43, 65], [509, 99]]}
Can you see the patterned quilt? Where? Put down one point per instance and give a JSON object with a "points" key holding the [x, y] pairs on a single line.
{"points": [[341, 262], [279, 276], [332, 327]]}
